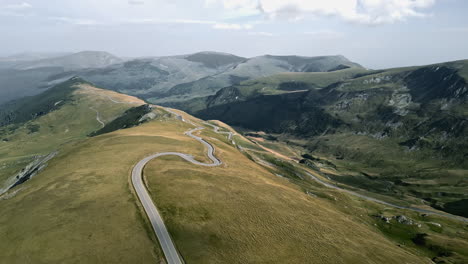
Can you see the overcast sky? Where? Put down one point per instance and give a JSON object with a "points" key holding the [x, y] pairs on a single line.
{"points": [[375, 33]]}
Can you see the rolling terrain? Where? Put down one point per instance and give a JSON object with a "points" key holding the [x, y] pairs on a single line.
{"points": [[16, 59], [79, 60], [254, 207], [183, 77], [156, 79], [33, 127], [251, 69], [400, 132], [31, 74]]}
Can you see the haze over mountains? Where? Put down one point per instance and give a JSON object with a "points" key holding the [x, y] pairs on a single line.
{"points": [[157, 79], [29, 74], [234, 131], [30, 56], [326, 161], [390, 124]]}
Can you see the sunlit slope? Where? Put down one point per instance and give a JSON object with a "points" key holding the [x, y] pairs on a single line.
{"points": [[38, 125], [276, 84], [81, 208], [400, 132], [442, 239], [242, 213]]}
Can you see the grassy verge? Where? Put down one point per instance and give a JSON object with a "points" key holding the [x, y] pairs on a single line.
{"points": [[80, 209], [446, 240], [240, 212]]}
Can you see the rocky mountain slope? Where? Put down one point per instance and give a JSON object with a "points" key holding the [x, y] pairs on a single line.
{"points": [[408, 127], [162, 79], [397, 95], [146, 77], [80, 207], [180, 78], [251, 69]]}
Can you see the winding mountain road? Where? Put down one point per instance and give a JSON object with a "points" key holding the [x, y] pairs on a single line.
{"points": [[415, 209], [216, 129], [160, 229], [98, 118]]}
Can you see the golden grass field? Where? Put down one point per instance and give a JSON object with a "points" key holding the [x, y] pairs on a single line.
{"points": [[71, 122], [82, 209], [241, 213]]}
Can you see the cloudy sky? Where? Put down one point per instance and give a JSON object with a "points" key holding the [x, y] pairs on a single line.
{"points": [[375, 33]]}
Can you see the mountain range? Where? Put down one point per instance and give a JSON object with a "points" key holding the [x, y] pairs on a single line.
{"points": [[403, 130], [161, 79], [320, 159]]}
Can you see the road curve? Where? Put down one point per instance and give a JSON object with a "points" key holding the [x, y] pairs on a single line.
{"points": [[415, 209], [216, 129], [160, 229], [98, 118], [167, 245]]}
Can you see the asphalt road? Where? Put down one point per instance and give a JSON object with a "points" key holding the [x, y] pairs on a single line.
{"points": [[415, 209], [216, 129], [160, 229], [167, 245]]}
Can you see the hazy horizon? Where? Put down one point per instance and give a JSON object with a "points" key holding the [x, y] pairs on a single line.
{"points": [[376, 34]]}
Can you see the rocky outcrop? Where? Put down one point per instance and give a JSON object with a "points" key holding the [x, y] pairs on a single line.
{"points": [[399, 219], [28, 172], [403, 220]]}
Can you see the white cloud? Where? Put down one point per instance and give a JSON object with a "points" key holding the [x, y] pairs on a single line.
{"points": [[214, 24], [19, 6], [245, 7], [16, 10], [360, 11], [229, 26]]}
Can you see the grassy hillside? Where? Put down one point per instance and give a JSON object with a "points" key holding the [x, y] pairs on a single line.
{"points": [[444, 240], [253, 68], [282, 83], [256, 207], [162, 79], [38, 125], [401, 132], [94, 217], [27, 108], [277, 219], [214, 59], [19, 83]]}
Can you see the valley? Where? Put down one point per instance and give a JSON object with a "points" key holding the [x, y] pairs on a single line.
{"points": [[234, 131], [397, 132], [155, 79], [303, 167]]}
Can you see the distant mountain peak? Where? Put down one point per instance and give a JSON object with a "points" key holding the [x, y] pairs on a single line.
{"points": [[32, 56], [213, 59], [79, 60], [214, 53], [92, 52]]}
